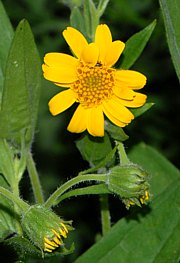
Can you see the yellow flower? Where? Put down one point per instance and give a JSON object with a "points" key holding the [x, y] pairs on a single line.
{"points": [[90, 80]]}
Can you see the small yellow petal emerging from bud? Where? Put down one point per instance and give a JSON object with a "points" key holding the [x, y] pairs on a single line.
{"points": [[144, 198]]}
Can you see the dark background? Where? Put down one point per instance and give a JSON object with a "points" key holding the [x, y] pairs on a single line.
{"points": [[54, 149]]}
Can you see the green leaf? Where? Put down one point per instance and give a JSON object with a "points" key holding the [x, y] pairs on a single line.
{"points": [[162, 172], [6, 36], [139, 111], [103, 163], [77, 20], [91, 18], [135, 45], [7, 216], [152, 234], [21, 86], [102, 6], [94, 149], [72, 3], [6, 161], [25, 248], [170, 10], [116, 132]]}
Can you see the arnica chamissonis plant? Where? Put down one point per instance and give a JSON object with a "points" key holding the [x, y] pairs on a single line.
{"points": [[90, 80]]}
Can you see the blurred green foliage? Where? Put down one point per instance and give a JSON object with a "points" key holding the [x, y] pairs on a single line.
{"points": [[54, 146]]}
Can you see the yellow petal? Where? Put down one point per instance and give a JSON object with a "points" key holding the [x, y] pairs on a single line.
{"points": [[63, 85], [90, 54], [78, 121], [47, 246], [95, 121], [75, 40], [59, 60], [115, 108], [113, 52], [130, 78], [61, 102], [123, 92], [63, 74], [138, 101], [112, 118], [103, 40]]}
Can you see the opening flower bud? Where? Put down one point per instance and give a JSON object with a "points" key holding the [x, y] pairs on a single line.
{"points": [[45, 229], [130, 182]]}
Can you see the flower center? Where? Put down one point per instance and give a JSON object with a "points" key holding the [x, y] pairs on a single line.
{"points": [[94, 84]]}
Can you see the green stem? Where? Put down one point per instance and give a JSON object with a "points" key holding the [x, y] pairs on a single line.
{"points": [[105, 214], [76, 180], [122, 154], [15, 186], [17, 208], [35, 182], [15, 193], [13, 198]]}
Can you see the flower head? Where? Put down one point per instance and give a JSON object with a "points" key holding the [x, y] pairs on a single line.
{"points": [[90, 80], [130, 182], [45, 229]]}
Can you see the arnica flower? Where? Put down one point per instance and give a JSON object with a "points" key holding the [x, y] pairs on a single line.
{"points": [[90, 80], [130, 183], [45, 229]]}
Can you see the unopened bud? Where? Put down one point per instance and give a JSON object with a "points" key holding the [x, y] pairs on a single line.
{"points": [[130, 183], [45, 229]]}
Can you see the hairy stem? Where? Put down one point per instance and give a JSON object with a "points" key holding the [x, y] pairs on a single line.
{"points": [[13, 198], [105, 214], [76, 180], [34, 177]]}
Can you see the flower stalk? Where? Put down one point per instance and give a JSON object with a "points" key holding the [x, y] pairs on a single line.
{"points": [[105, 214], [34, 178], [74, 181], [13, 198]]}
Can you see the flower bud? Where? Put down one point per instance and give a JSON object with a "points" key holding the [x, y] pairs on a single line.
{"points": [[130, 183], [45, 229]]}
